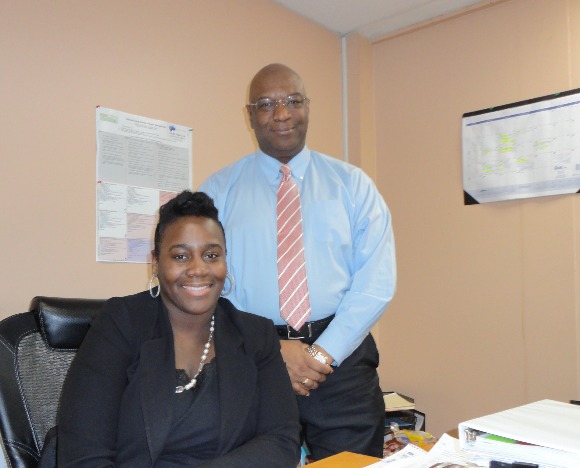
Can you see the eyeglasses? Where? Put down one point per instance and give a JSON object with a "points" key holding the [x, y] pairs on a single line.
{"points": [[295, 101]]}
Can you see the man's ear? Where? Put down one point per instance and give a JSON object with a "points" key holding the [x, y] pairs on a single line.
{"points": [[250, 115]]}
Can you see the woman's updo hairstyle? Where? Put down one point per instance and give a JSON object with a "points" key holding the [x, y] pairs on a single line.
{"points": [[184, 204]]}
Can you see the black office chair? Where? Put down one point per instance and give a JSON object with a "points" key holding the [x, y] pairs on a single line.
{"points": [[36, 349]]}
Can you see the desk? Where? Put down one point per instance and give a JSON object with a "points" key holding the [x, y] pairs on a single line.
{"points": [[345, 460]]}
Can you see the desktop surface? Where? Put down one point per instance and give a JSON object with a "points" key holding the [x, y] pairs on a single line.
{"points": [[345, 460]]}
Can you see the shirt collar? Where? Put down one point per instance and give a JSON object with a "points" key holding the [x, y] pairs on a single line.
{"points": [[271, 166]]}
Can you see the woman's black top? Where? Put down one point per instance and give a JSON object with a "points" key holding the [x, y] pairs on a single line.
{"points": [[194, 435]]}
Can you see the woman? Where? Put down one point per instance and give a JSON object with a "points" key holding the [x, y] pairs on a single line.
{"points": [[177, 376]]}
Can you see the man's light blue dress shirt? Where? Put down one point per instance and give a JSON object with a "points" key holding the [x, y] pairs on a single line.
{"points": [[348, 242]]}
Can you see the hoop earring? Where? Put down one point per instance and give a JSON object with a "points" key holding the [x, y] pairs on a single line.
{"points": [[153, 278], [231, 288]]}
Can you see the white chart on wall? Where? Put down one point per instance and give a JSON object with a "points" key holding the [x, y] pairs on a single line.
{"points": [[522, 150], [141, 164]]}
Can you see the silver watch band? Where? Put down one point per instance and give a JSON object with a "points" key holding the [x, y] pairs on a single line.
{"points": [[317, 354]]}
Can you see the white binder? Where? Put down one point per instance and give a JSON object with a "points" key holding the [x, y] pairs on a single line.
{"points": [[552, 429]]}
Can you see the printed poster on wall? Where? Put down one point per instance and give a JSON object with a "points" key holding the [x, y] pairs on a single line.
{"points": [[141, 164], [522, 150]]}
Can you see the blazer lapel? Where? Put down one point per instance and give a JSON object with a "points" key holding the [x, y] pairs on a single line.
{"points": [[158, 384], [237, 380]]}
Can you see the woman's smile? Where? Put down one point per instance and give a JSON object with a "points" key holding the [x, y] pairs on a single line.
{"points": [[197, 290]]}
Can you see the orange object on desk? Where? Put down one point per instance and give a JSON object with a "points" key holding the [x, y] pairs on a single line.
{"points": [[345, 460]]}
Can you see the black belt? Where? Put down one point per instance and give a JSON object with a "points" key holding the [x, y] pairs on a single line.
{"points": [[309, 332]]}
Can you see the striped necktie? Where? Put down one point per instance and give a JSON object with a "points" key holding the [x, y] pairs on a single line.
{"points": [[294, 300]]}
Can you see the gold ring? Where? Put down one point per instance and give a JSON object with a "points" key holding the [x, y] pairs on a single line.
{"points": [[305, 381]]}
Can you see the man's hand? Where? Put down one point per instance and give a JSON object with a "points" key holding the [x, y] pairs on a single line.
{"points": [[306, 373]]}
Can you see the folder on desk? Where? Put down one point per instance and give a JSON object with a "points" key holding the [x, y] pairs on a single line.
{"points": [[546, 432], [397, 401]]}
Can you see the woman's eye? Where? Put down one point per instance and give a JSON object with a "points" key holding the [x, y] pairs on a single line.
{"points": [[180, 257], [211, 255]]}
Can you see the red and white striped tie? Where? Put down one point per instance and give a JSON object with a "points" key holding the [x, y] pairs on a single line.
{"points": [[294, 300]]}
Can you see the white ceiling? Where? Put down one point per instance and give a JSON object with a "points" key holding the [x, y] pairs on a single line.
{"points": [[372, 18]]}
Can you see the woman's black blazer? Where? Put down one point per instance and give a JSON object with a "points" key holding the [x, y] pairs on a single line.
{"points": [[123, 379]]}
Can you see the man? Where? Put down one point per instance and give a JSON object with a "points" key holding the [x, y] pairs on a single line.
{"points": [[349, 256]]}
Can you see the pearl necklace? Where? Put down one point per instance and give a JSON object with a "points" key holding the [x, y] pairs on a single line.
{"points": [[192, 383]]}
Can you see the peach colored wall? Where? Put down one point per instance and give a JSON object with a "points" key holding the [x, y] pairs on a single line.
{"points": [[186, 61], [487, 313]]}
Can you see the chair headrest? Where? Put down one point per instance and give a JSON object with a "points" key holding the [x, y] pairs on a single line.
{"points": [[64, 322]]}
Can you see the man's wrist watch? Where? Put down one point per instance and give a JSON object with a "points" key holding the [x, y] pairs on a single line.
{"points": [[317, 354]]}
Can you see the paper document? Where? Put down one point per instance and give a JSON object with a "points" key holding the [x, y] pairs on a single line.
{"points": [[446, 450]]}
